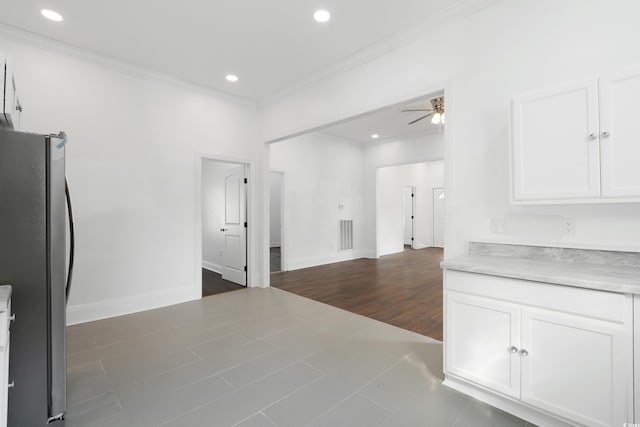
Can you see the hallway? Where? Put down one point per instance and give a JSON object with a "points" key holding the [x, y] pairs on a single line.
{"points": [[404, 289]]}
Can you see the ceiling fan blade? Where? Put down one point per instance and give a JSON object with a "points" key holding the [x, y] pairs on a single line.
{"points": [[407, 111], [421, 118]]}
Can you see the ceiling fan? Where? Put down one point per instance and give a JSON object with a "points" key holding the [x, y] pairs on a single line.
{"points": [[436, 110]]}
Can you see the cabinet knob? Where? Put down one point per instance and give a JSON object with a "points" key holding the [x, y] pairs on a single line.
{"points": [[524, 353], [11, 384], [224, 229], [593, 136], [513, 349], [605, 134]]}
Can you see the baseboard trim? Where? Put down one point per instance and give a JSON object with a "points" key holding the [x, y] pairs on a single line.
{"points": [[297, 264], [366, 254], [117, 307], [390, 251], [212, 267], [508, 405]]}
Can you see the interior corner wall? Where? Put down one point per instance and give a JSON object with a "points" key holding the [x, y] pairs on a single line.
{"points": [[483, 59], [213, 212], [275, 207], [323, 178], [424, 177], [131, 165]]}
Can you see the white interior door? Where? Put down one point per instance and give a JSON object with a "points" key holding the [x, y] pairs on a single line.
{"points": [[556, 152], [438, 217], [481, 342], [235, 230], [620, 134], [575, 367], [408, 197]]}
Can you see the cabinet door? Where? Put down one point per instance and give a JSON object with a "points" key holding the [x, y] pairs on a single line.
{"points": [[555, 144], [575, 367], [620, 134], [479, 336]]}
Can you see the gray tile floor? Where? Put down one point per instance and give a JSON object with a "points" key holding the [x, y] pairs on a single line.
{"points": [[260, 358]]}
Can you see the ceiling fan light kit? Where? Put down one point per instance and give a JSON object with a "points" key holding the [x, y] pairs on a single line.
{"points": [[436, 110]]}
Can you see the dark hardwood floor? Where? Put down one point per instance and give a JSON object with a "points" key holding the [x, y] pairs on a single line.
{"points": [[275, 259], [213, 283], [404, 289]]}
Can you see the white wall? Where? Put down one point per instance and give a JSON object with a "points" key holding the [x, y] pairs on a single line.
{"points": [[132, 171], [213, 212], [482, 60], [275, 207], [391, 183], [322, 172]]}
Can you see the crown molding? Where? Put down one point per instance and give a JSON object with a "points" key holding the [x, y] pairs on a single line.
{"points": [[49, 44], [459, 10]]}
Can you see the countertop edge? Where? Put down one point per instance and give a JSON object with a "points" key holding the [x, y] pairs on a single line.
{"points": [[471, 264]]}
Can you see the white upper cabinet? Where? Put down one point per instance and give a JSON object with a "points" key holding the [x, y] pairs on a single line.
{"points": [[578, 143], [620, 134], [555, 143]]}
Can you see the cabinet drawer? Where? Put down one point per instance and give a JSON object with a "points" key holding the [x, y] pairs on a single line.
{"points": [[602, 305]]}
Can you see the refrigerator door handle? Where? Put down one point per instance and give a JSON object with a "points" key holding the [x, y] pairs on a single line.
{"points": [[72, 239]]}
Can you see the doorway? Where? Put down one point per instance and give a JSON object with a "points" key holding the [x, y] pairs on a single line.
{"points": [[361, 172], [404, 208], [408, 197], [224, 226], [276, 223]]}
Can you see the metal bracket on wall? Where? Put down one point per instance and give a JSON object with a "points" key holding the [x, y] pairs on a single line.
{"points": [[62, 136]]}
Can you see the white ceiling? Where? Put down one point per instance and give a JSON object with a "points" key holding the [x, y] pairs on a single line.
{"points": [[389, 123], [270, 45]]}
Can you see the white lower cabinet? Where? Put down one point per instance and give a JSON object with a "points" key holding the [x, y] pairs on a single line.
{"points": [[574, 367], [564, 364], [479, 342]]}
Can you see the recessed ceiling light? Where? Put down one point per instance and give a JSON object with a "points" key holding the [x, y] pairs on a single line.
{"points": [[232, 78], [375, 136], [322, 15], [52, 15]]}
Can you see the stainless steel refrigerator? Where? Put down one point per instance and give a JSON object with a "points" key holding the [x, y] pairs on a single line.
{"points": [[33, 259]]}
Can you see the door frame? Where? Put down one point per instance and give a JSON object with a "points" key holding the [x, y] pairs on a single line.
{"points": [[377, 193], [433, 217], [250, 216], [413, 214], [284, 259]]}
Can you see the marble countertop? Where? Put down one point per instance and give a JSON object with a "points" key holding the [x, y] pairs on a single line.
{"points": [[5, 295], [604, 277]]}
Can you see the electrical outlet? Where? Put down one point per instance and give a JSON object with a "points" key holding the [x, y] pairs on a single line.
{"points": [[569, 225], [497, 225]]}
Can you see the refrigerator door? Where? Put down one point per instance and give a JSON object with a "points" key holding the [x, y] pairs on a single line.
{"points": [[56, 251], [32, 258]]}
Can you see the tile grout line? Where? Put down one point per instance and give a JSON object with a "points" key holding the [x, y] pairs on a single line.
{"points": [[102, 366], [293, 392], [269, 419], [466, 408], [208, 403], [375, 403], [357, 391], [228, 383], [194, 353]]}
